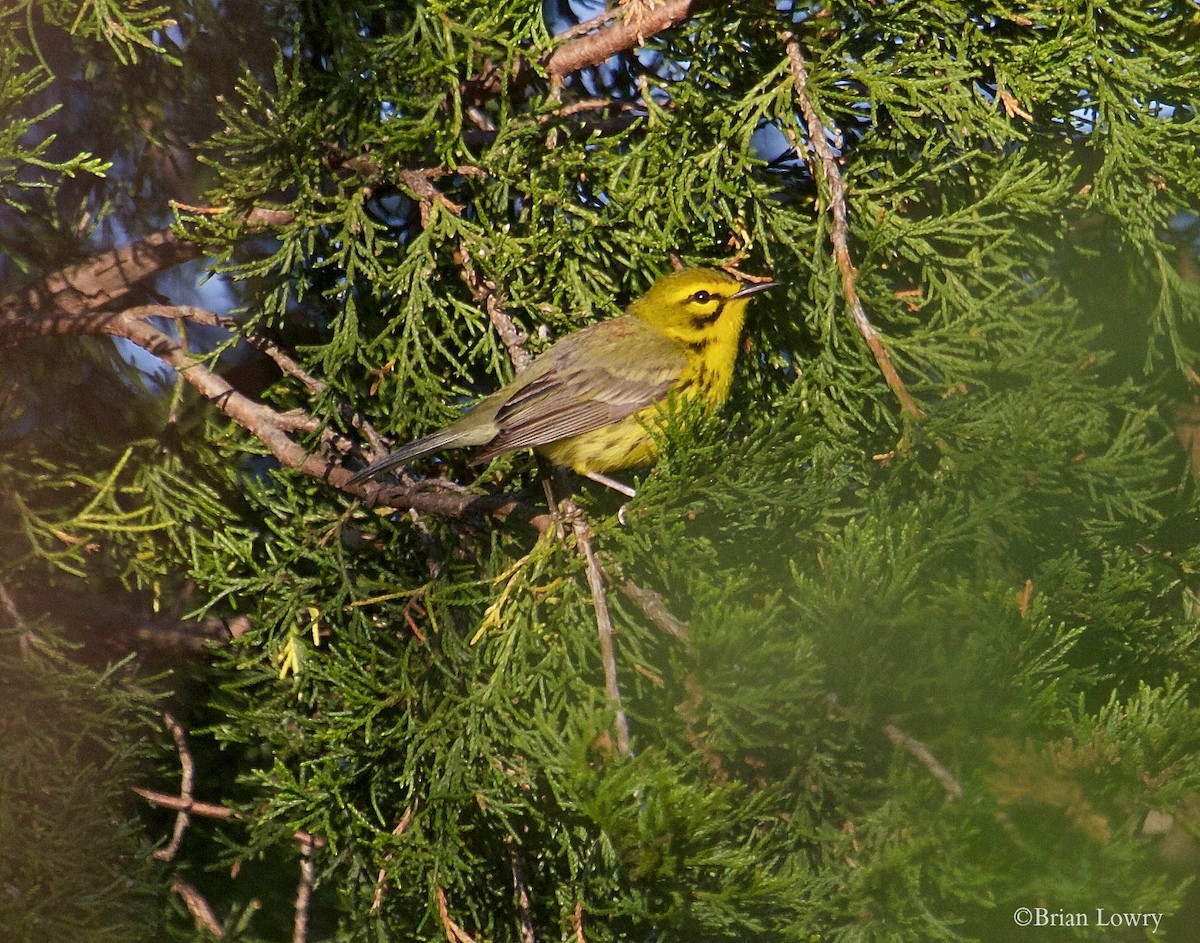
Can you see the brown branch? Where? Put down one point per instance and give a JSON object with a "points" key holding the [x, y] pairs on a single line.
{"points": [[577, 922], [28, 638], [484, 292], [308, 878], [628, 29], [454, 933], [827, 171], [595, 577], [181, 804], [200, 909], [925, 755], [381, 880], [209, 810], [100, 280], [524, 908], [187, 782], [655, 608], [270, 427]]}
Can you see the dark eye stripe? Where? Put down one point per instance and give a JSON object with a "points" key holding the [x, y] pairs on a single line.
{"points": [[703, 320]]}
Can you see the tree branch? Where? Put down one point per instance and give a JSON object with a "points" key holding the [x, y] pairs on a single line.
{"points": [[308, 878], [827, 171], [595, 576], [187, 782], [521, 887], [100, 280], [454, 933], [200, 909], [484, 293], [270, 427], [922, 752], [628, 28]]}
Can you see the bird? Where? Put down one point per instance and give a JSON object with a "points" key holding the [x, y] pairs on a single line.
{"points": [[590, 400]]}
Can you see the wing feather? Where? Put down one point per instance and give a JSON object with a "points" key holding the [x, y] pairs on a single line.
{"points": [[594, 377]]}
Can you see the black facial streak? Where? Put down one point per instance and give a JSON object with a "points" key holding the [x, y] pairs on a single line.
{"points": [[703, 320]]}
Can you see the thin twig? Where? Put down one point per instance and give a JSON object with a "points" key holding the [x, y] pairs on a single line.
{"points": [[187, 782], [577, 922], [925, 755], [827, 171], [283, 360], [484, 293], [28, 638], [210, 810], [200, 909], [381, 880], [304, 889], [454, 933], [524, 908], [655, 608], [262, 421], [595, 576], [181, 804]]}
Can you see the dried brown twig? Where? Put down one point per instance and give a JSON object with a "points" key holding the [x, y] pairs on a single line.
{"points": [[304, 890], [521, 887], [595, 577], [826, 171], [269, 426], [626, 27], [454, 933], [922, 752], [187, 782], [200, 909]]}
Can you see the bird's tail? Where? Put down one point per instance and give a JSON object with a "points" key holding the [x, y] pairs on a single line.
{"points": [[434, 442]]}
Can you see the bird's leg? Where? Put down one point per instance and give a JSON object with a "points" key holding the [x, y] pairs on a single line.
{"points": [[549, 475], [611, 483]]}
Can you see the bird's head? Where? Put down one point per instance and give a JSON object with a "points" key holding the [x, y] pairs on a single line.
{"points": [[697, 305]]}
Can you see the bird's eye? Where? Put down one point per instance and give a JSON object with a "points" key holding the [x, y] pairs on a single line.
{"points": [[702, 297]]}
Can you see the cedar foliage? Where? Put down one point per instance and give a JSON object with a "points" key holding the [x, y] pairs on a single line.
{"points": [[1008, 581]]}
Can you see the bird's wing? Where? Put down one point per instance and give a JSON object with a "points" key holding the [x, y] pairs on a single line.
{"points": [[591, 378]]}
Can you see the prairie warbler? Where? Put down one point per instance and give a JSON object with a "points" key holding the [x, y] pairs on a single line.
{"points": [[587, 401]]}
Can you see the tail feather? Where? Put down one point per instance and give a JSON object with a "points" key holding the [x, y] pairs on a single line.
{"points": [[434, 442]]}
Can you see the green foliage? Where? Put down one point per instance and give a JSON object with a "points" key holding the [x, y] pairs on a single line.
{"points": [[934, 671], [73, 740]]}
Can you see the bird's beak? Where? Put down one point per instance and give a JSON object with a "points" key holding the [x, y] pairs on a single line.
{"points": [[752, 289]]}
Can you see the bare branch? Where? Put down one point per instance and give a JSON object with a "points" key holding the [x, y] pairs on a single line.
{"points": [[629, 27], [381, 880], [269, 426], [655, 608], [827, 171], [100, 280], [28, 638], [925, 755], [484, 292], [210, 810], [182, 804], [583, 537], [577, 922], [308, 877], [200, 909], [524, 909], [454, 933], [187, 782]]}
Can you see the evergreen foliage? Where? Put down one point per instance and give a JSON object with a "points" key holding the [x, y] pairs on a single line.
{"points": [[935, 670]]}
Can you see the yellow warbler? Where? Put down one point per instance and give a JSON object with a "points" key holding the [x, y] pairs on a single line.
{"points": [[587, 401]]}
